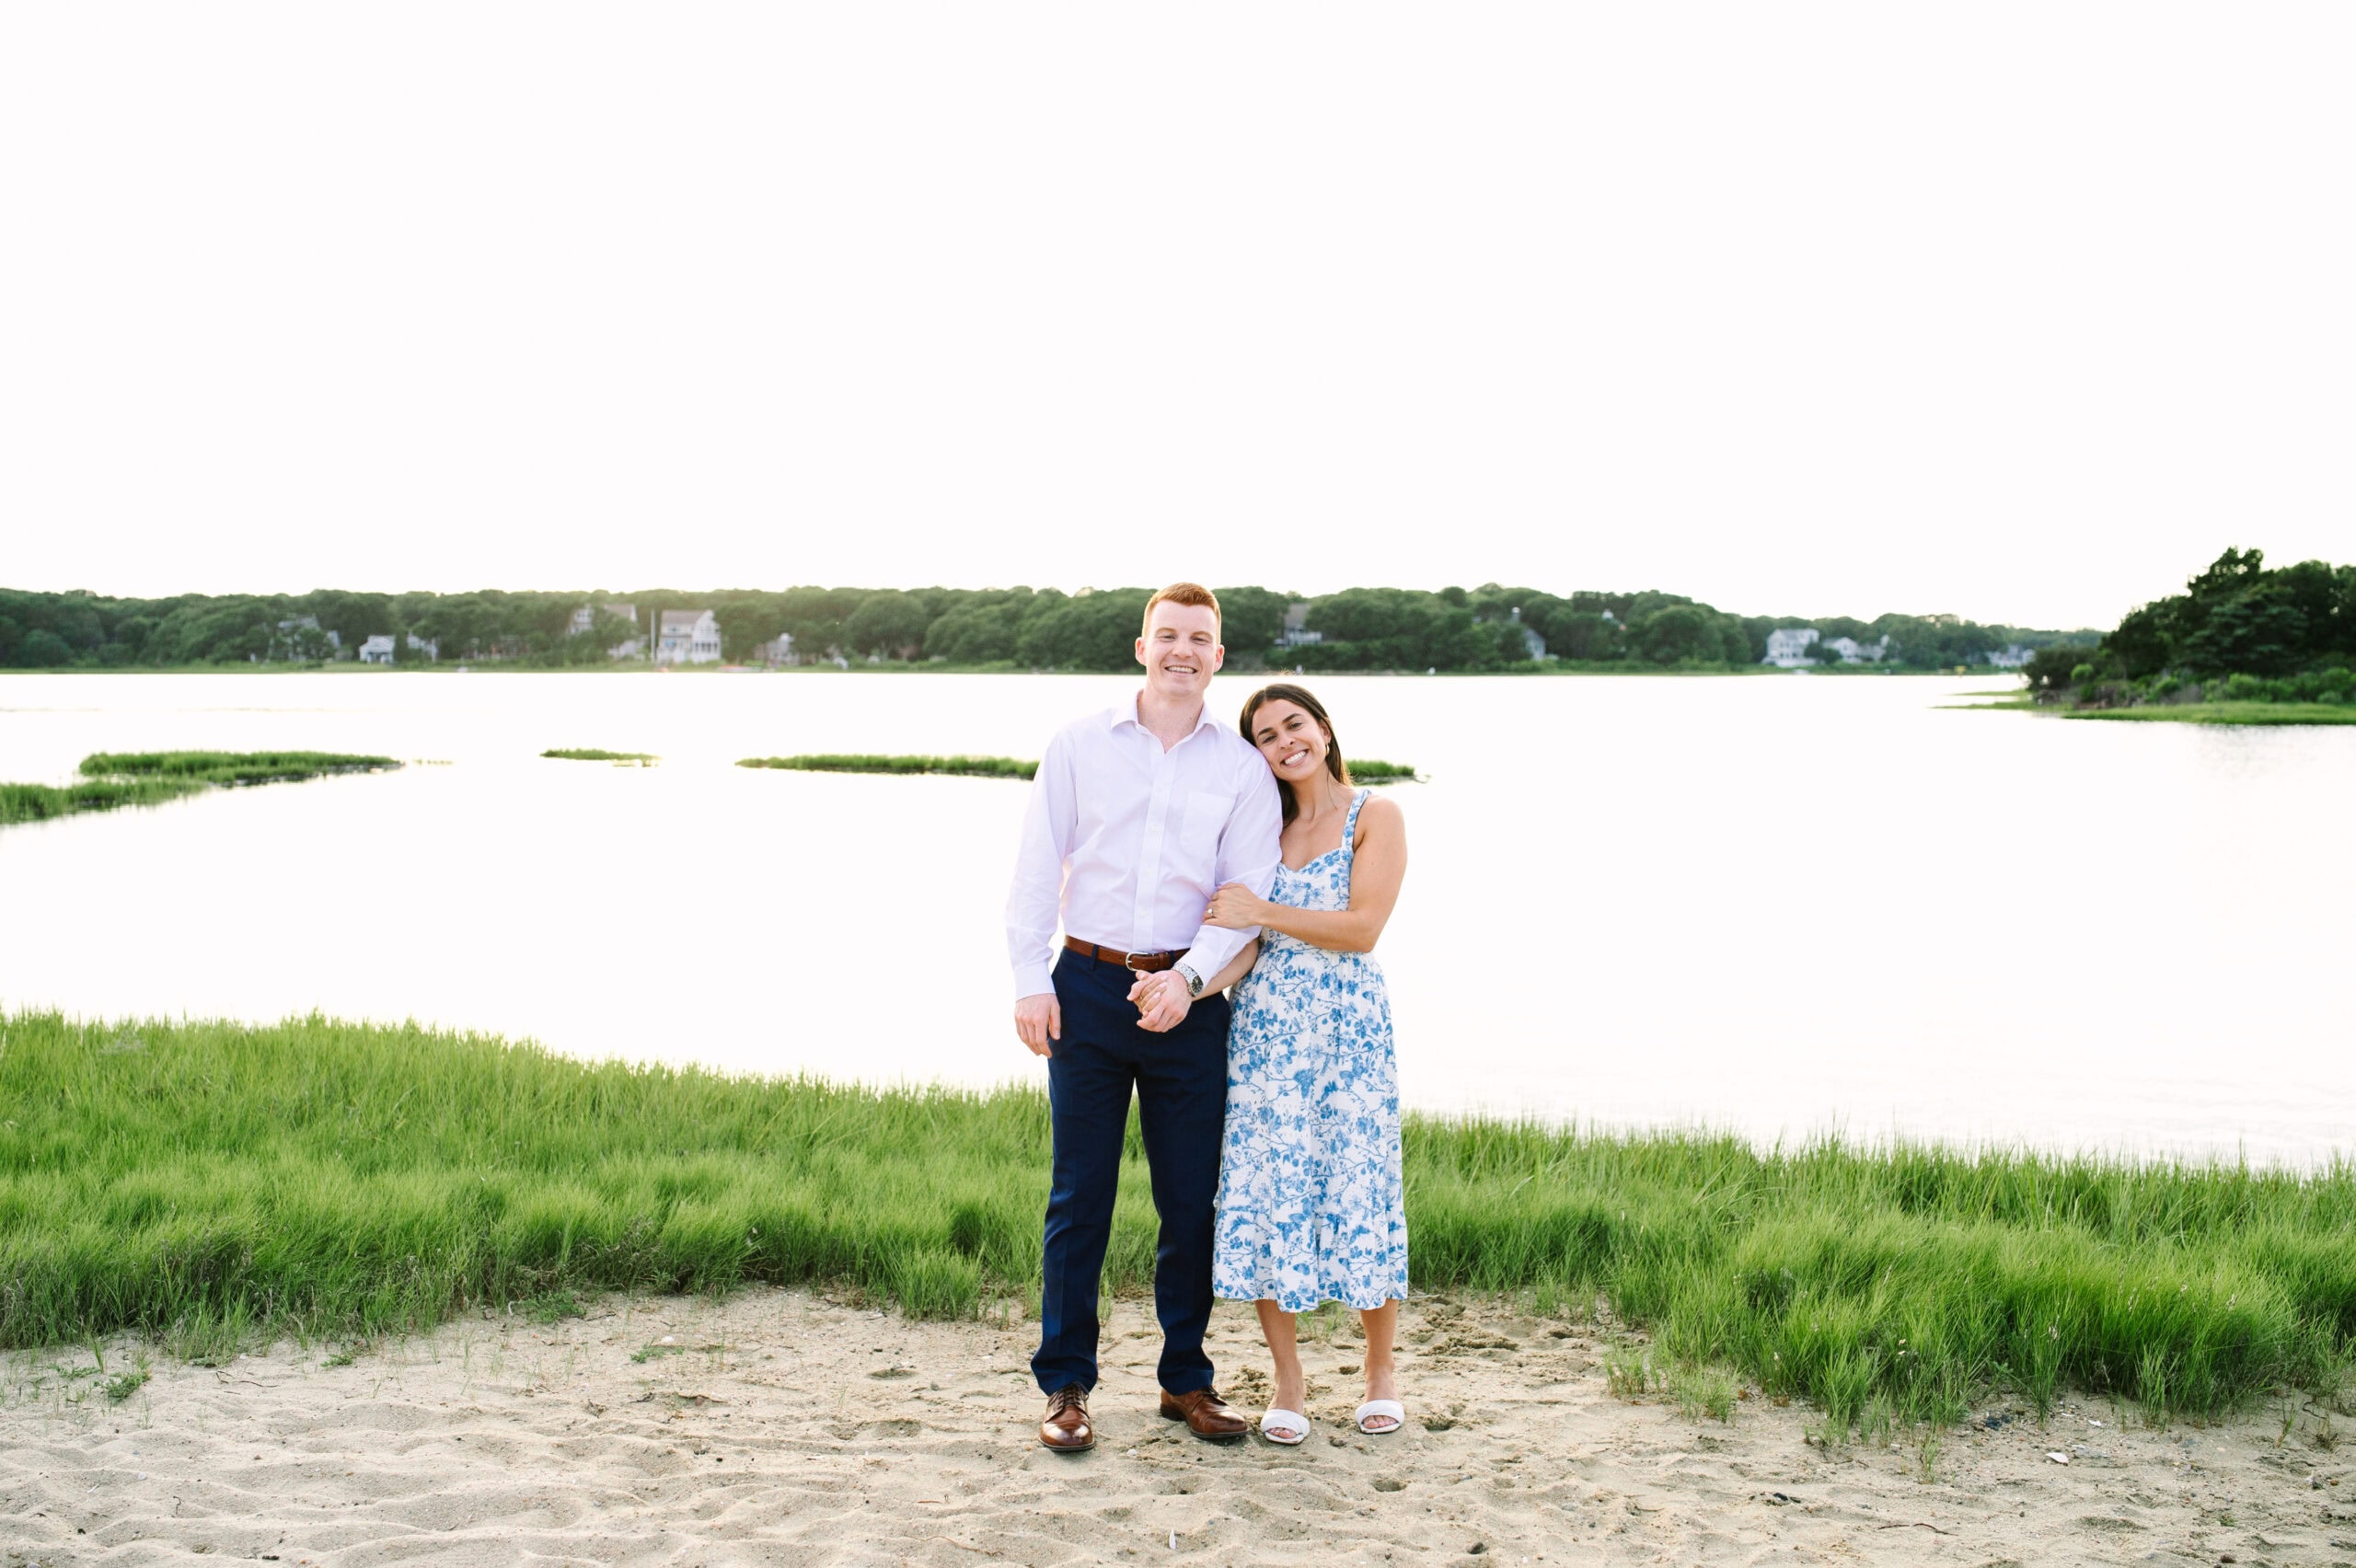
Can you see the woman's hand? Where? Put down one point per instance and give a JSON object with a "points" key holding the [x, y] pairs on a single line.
{"points": [[1160, 999], [1235, 906]]}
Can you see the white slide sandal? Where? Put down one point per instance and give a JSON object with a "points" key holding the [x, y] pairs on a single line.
{"points": [[1284, 1420], [1374, 1408]]}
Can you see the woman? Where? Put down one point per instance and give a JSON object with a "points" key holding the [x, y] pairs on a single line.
{"points": [[1309, 1196]]}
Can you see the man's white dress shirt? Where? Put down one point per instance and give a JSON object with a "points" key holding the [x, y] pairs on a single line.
{"points": [[1126, 842]]}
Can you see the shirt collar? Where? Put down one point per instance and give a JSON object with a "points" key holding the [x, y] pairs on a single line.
{"points": [[1126, 713]]}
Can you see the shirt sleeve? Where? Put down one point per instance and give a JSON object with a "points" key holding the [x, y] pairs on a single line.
{"points": [[1034, 903], [1247, 854]]}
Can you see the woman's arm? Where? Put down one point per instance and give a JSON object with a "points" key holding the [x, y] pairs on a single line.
{"points": [[1378, 866]]}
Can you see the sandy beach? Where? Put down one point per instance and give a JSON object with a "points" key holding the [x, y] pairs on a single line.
{"points": [[782, 1427]]}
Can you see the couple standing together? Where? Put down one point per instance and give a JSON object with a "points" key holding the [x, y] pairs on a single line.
{"points": [[1181, 858]]}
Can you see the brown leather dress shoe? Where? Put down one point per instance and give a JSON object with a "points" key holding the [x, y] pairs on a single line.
{"points": [[1065, 1428], [1205, 1414]]}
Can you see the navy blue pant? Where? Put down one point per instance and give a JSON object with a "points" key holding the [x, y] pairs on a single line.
{"points": [[1181, 1082]]}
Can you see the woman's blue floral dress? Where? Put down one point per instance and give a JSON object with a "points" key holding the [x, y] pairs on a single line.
{"points": [[1310, 1206]]}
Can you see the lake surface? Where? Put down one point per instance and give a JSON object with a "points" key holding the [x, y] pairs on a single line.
{"points": [[1780, 904]]}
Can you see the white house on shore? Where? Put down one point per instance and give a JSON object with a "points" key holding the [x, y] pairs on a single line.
{"points": [[1295, 633], [2011, 658], [300, 638], [777, 651], [1852, 652], [378, 650], [584, 621], [1787, 647], [687, 637]]}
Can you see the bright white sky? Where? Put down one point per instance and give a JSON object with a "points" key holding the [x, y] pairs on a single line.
{"points": [[2018, 311]]}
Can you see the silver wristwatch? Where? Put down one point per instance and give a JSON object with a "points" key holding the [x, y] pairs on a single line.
{"points": [[1193, 981]]}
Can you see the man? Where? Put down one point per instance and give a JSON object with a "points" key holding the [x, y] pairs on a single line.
{"points": [[1137, 816]]}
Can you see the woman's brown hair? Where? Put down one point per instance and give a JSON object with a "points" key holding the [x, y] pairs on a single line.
{"points": [[1285, 691]]}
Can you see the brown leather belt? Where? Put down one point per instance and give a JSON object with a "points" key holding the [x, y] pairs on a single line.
{"points": [[1151, 963]]}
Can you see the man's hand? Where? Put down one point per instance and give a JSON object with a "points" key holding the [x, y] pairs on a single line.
{"points": [[1160, 999], [1038, 1022], [1235, 907]]}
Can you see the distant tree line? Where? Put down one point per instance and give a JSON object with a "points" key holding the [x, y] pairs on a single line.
{"points": [[1358, 629], [2239, 629]]}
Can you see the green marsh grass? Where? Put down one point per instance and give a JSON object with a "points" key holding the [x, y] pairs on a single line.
{"points": [[2224, 713], [1366, 770], [975, 766], [219, 1183], [40, 802], [113, 780], [2265, 713], [591, 753], [232, 768]]}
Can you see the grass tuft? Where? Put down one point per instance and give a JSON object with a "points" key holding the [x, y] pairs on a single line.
{"points": [[1702, 1391], [552, 1306], [221, 1185], [1628, 1373], [975, 766], [1366, 771], [591, 753]]}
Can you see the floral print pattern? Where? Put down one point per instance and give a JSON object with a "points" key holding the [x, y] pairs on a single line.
{"points": [[1310, 1205]]}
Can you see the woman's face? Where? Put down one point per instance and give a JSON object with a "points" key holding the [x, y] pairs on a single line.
{"points": [[1292, 740]]}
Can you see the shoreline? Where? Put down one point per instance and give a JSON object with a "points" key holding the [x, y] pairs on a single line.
{"points": [[2252, 715], [1551, 669]]}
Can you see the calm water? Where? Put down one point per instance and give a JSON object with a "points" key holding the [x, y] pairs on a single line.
{"points": [[1783, 905]]}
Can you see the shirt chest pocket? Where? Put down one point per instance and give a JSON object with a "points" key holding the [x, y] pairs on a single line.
{"points": [[1198, 830]]}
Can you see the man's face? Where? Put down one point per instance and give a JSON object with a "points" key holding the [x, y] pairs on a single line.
{"points": [[1181, 650]]}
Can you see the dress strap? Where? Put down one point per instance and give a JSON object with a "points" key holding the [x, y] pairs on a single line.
{"points": [[1350, 823]]}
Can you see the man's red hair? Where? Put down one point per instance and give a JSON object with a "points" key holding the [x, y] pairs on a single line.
{"points": [[1192, 593]]}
